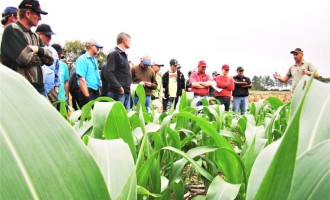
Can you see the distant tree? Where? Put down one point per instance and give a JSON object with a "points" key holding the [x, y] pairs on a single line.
{"points": [[256, 85], [73, 49]]}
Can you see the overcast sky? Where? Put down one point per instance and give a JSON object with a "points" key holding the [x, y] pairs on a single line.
{"points": [[255, 34]]}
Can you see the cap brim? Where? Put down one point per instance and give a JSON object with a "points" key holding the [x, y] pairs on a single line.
{"points": [[49, 33], [41, 12], [99, 46]]}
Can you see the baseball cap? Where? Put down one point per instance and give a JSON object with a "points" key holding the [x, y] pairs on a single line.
{"points": [[8, 11], [158, 64], [240, 68], [33, 5], [45, 29], [92, 42], [297, 50], [202, 63], [58, 48], [225, 67], [215, 73], [174, 62], [146, 60]]}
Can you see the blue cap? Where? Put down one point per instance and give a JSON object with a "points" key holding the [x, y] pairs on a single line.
{"points": [[147, 63], [8, 11]]}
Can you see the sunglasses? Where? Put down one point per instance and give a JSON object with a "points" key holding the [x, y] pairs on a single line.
{"points": [[241, 70]]}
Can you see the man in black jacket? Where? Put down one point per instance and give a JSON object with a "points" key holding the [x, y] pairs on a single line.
{"points": [[117, 71], [173, 84], [241, 91]]}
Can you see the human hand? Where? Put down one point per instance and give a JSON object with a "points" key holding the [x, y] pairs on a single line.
{"points": [[121, 90], [142, 83], [276, 76], [304, 70], [148, 84]]}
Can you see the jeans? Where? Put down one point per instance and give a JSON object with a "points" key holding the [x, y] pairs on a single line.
{"points": [[148, 99], [199, 103], [225, 101], [241, 103], [170, 100], [125, 99]]}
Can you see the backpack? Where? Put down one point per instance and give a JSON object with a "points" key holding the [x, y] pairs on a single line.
{"points": [[73, 82]]}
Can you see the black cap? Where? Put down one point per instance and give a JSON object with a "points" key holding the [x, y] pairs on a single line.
{"points": [[33, 5], [240, 68], [58, 48], [297, 50], [174, 62], [45, 29], [215, 73]]}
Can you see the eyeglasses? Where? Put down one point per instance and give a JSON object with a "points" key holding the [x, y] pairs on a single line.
{"points": [[241, 70]]}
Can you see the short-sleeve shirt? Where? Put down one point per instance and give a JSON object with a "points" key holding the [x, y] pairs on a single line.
{"points": [[87, 67], [296, 73], [197, 77], [64, 76]]}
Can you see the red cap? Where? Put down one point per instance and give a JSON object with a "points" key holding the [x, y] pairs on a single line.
{"points": [[202, 63], [225, 67]]}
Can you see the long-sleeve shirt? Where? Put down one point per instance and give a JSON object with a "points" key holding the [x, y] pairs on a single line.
{"points": [[240, 91], [17, 55], [52, 73], [158, 92], [144, 74], [117, 71], [227, 85]]}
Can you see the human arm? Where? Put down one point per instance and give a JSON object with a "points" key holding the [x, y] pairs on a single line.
{"points": [[153, 83], [83, 86], [16, 48], [282, 79], [310, 70]]}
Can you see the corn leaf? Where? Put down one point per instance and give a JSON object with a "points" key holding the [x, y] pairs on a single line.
{"points": [[41, 155], [221, 190], [109, 155]]}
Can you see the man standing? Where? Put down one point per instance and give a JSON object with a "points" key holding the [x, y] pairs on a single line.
{"points": [[200, 82], [241, 91], [21, 49], [63, 92], [144, 75], [9, 15], [117, 71], [88, 75], [51, 73], [298, 70], [157, 94], [174, 85], [226, 84]]}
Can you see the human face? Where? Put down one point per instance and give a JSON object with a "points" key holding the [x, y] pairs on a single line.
{"points": [[240, 72], [225, 72], [127, 43], [33, 18], [156, 68], [45, 38], [201, 69], [297, 57], [95, 50], [174, 68]]}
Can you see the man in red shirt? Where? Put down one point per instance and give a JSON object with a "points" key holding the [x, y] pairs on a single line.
{"points": [[200, 82], [226, 85]]}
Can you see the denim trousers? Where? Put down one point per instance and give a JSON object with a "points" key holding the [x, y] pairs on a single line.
{"points": [[240, 103], [199, 103], [125, 99], [148, 99]]}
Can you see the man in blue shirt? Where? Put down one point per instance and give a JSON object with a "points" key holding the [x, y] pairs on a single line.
{"points": [[87, 72], [51, 73]]}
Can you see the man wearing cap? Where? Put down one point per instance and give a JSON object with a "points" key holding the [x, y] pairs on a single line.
{"points": [[241, 91], [174, 85], [63, 92], [226, 85], [87, 72], [9, 15], [51, 73], [213, 86], [117, 71], [157, 94], [200, 82], [298, 70], [144, 75], [21, 49]]}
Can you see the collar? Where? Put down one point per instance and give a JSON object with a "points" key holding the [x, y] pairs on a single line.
{"points": [[22, 27], [120, 49]]}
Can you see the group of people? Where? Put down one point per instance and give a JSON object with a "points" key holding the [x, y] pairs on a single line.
{"points": [[30, 54]]}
